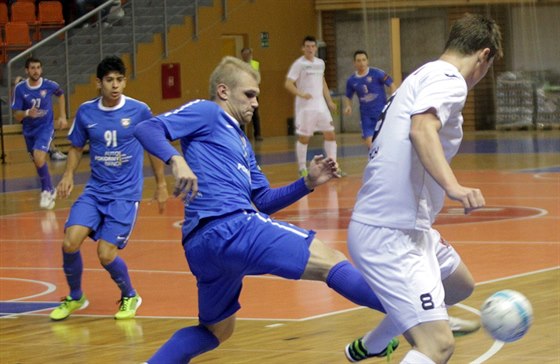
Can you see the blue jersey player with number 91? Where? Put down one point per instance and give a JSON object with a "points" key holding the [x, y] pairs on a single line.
{"points": [[107, 209]]}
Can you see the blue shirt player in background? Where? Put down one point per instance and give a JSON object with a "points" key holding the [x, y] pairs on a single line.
{"points": [[32, 105], [227, 232], [369, 84], [107, 209]]}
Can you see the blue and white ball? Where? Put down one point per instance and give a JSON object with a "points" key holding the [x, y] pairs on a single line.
{"points": [[507, 315]]}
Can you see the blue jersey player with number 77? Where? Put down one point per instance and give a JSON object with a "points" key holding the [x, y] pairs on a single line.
{"points": [[107, 209]]}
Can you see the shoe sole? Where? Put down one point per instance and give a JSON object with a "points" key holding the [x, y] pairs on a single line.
{"points": [[86, 303], [347, 354]]}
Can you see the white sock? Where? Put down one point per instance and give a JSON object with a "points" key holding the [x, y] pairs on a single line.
{"points": [[301, 155], [330, 148], [376, 340], [416, 357]]}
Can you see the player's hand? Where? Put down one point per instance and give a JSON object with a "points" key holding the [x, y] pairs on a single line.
{"points": [[348, 110], [320, 170], [306, 96], [65, 186], [62, 123], [186, 182], [35, 112], [160, 196], [470, 198]]}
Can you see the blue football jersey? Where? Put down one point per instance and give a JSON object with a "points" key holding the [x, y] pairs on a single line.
{"points": [[25, 97], [116, 156], [220, 155], [370, 89]]}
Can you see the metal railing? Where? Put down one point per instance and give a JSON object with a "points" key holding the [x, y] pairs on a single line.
{"points": [[129, 8], [64, 31]]}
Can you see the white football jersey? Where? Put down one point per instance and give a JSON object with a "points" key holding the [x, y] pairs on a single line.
{"points": [[309, 79], [397, 191]]}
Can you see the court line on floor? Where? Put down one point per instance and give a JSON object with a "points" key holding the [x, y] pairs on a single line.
{"points": [[468, 308]]}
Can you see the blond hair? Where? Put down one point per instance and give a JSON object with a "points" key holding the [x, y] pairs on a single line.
{"points": [[227, 73]]}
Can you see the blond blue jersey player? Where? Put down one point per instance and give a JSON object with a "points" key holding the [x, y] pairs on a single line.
{"points": [[228, 232], [107, 209]]}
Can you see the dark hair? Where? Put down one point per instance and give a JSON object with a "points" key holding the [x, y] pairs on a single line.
{"points": [[309, 38], [360, 51], [474, 32], [30, 60], [110, 64]]}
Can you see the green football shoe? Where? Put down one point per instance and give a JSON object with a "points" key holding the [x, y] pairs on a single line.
{"points": [[67, 306], [355, 351], [128, 307]]}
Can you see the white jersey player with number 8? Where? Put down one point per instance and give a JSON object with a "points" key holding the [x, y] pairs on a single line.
{"points": [[408, 264]]}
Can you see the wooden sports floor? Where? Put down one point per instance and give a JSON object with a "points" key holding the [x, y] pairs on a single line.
{"points": [[513, 243]]}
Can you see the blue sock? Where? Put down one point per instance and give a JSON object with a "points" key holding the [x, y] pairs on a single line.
{"points": [[345, 279], [45, 178], [119, 272], [73, 268], [184, 345]]}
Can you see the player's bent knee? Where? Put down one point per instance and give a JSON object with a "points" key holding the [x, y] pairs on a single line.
{"points": [[223, 329], [106, 259], [433, 339], [70, 245], [74, 237], [321, 260], [106, 252], [445, 350]]}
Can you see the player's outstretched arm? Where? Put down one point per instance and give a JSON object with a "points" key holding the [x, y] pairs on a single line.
{"points": [[321, 170]]}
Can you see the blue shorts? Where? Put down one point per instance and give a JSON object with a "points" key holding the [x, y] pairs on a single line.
{"points": [[227, 249], [110, 220], [368, 122], [40, 139]]}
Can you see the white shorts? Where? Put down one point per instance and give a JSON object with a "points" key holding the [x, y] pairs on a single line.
{"points": [[308, 121], [405, 268]]}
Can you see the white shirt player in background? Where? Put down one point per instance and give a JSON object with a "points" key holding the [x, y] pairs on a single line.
{"points": [[409, 265], [306, 81]]}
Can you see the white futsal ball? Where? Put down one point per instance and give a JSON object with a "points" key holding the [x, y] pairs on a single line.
{"points": [[506, 315]]}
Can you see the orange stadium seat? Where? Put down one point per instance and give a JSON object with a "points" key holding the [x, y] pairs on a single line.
{"points": [[50, 14], [3, 15], [17, 37], [23, 11]]}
